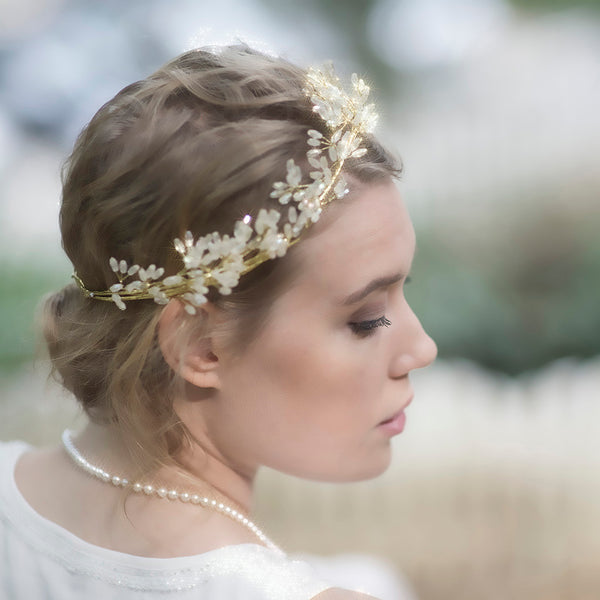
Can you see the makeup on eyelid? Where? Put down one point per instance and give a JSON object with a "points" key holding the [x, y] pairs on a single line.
{"points": [[364, 328], [311, 397]]}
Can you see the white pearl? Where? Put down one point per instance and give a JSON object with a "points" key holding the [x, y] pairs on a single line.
{"points": [[163, 492]]}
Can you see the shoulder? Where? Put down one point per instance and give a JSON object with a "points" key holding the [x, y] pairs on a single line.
{"points": [[10, 453], [340, 594]]}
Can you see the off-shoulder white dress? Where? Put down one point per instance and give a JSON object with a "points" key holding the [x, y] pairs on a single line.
{"points": [[41, 560]]}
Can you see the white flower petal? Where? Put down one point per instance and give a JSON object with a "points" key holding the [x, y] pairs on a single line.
{"points": [[285, 198], [118, 301], [335, 138], [359, 152], [314, 162], [179, 246], [173, 280], [134, 286]]}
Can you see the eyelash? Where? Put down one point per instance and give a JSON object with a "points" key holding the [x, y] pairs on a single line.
{"points": [[365, 328]]}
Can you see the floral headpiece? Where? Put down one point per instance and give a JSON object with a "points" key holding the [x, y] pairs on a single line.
{"points": [[216, 260]]}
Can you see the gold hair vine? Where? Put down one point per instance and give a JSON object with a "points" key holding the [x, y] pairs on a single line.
{"points": [[218, 261]]}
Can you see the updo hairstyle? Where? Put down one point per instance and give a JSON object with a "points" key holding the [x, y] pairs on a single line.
{"points": [[195, 146]]}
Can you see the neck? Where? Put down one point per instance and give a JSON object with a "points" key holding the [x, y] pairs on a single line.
{"points": [[204, 463], [203, 470]]}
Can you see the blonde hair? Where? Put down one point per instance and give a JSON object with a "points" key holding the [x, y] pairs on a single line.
{"points": [[194, 146]]}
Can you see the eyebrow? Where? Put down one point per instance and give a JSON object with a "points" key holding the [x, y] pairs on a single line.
{"points": [[380, 282]]}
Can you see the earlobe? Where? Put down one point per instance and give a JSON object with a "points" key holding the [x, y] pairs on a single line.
{"points": [[187, 348]]}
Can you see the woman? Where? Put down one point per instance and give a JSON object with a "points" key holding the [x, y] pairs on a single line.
{"points": [[239, 249]]}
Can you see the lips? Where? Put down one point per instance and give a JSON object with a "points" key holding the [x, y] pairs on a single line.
{"points": [[397, 413], [392, 418], [393, 426]]}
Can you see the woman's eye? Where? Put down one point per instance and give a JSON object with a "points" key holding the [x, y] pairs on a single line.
{"points": [[365, 328]]}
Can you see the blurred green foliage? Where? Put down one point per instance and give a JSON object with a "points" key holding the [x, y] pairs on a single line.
{"points": [[510, 296], [23, 285], [545, 5], [511, 303]]}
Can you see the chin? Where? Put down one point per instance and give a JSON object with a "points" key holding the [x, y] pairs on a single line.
{"points": [[371, 470], [357, 470]]}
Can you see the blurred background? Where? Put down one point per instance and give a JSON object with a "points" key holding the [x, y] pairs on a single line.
{"points": [[493, 106]]}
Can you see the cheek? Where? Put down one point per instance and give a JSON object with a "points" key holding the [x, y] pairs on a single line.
{"points": [[306, 404], [327, 387], [326, 362]]}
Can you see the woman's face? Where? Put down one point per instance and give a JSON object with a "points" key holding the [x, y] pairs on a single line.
{"points": [[321, 389]]}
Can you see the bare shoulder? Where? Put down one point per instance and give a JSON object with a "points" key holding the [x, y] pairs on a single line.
{"points": [[340, 594]]}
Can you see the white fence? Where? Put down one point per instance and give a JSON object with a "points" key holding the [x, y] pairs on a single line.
{"points": [[494, 489]]}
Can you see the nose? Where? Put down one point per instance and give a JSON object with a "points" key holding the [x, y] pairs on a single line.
{"points": [[426, 350], [413, 347]]}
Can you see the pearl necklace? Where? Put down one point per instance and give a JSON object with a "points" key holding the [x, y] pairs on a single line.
{"points": [[162, 492]]}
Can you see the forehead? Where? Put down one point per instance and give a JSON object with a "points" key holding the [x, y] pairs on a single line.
{"points": [[367, 237]]}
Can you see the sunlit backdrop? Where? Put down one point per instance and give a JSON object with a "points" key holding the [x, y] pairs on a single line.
{"points": [[493, 108]]}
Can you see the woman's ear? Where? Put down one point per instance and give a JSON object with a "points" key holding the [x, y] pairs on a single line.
{"points": [[190, 356]]}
